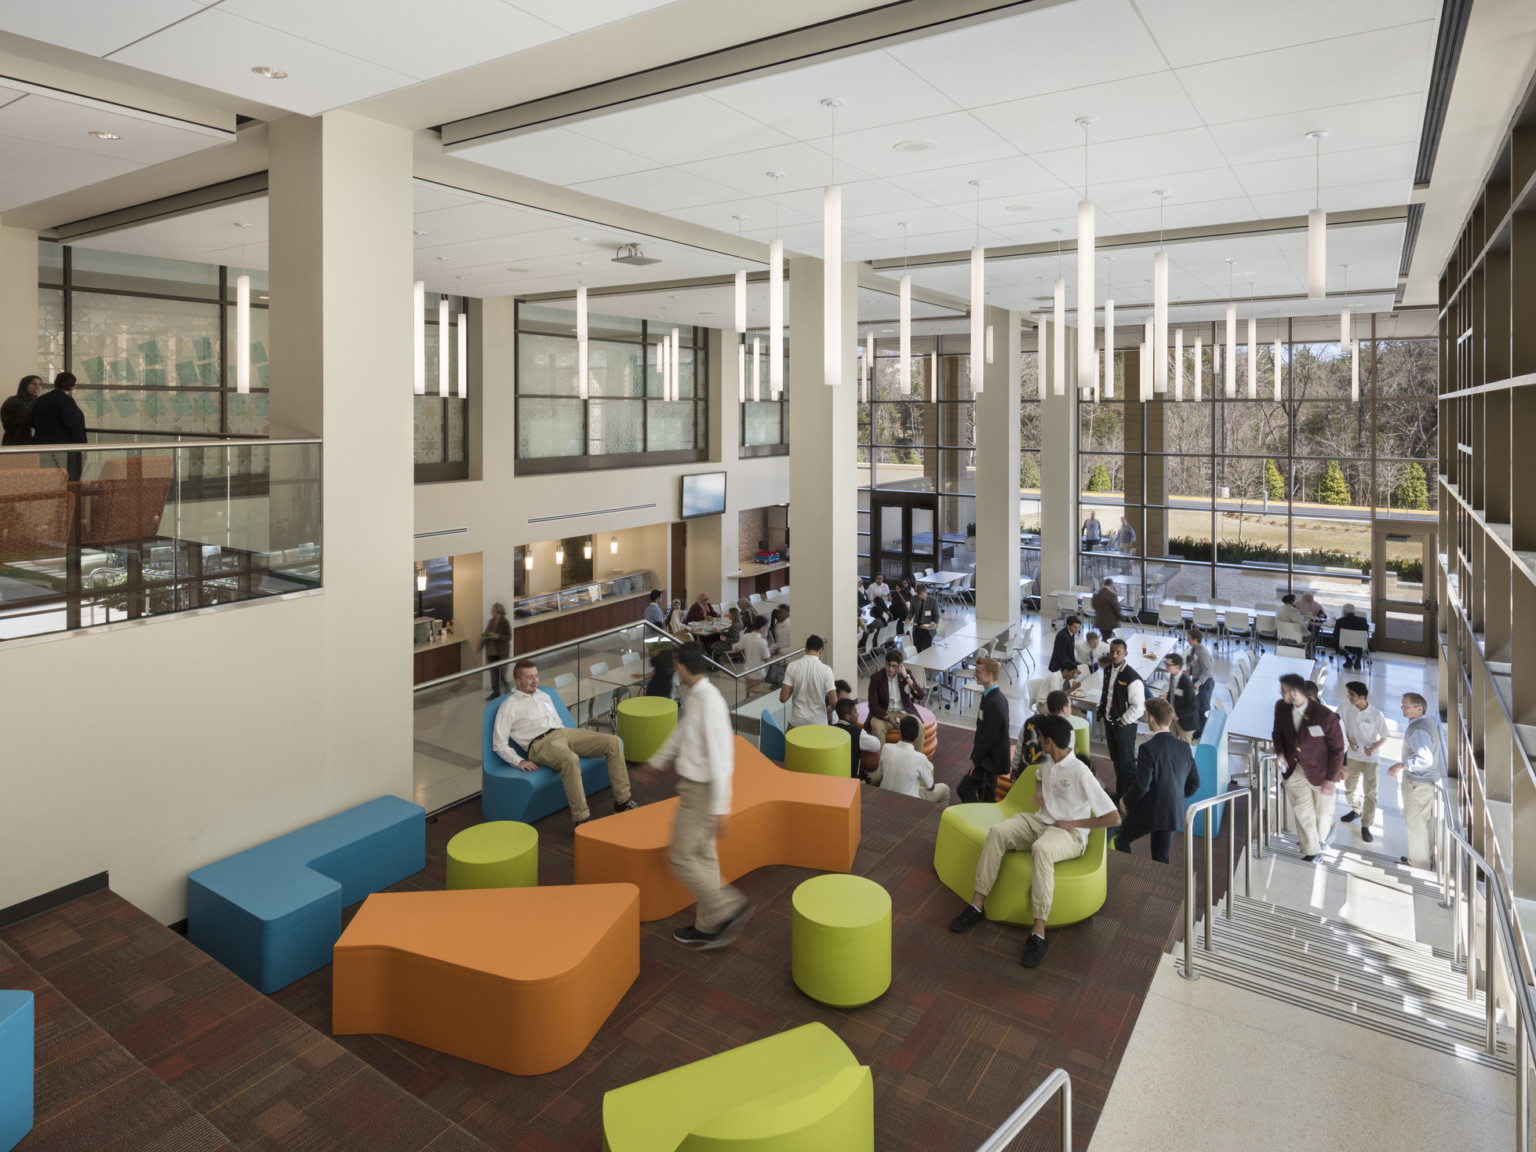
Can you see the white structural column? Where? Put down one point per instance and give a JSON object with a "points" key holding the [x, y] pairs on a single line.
{"points": [[997, 473], [1058, 486], [712, 554], [339, 204], [18, 306], [823, 482]]}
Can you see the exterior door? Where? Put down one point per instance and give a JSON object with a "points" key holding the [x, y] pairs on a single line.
{"points": [[1403, 593], [904, 533]]}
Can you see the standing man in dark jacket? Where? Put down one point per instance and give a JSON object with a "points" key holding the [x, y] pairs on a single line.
{"points": [[1308, 737], [1166, 777], [925, 619], [57, 419], [1122, 704], [1064, 654], [1182, 694], [989, 754]]}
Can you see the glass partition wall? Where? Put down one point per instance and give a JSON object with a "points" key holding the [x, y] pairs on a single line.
{"points": [[1244, 499]]}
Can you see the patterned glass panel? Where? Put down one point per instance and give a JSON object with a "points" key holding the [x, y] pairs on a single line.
{"points": [[457, 410], [429, 429], [50, 331], [547, 427], [671, 425], [615, 426], [260, 374], [127, 348], [248, 414], [763, 423]]}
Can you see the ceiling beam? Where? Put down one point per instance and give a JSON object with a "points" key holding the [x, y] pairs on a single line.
{"points": [[234, 191], [1123, 307], [1279, 226]]}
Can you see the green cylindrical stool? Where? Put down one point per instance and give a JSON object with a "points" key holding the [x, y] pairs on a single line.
{"points": [[497, 854], [818, 748], [841, 940], [643, 725]]}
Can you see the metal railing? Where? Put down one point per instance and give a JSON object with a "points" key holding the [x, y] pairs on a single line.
{"points": [[1058, 1083], [1244, 796]]}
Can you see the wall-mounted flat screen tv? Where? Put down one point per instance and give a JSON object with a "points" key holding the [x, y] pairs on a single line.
{"points": [[703, 494]]}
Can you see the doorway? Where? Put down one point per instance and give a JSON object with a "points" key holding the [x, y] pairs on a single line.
{"points": [[904, 532], [1403, 596]]}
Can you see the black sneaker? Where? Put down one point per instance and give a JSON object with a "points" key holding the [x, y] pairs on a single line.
{"points": [[627, 806], [968, 919], [691, 937], [731, 929], [1365, 833], [1034, 951], [1350, 818], [1309, 859]]}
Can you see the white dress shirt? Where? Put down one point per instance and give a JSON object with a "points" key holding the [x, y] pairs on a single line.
{"points": [[701, 747], [1089, 657], [1054, 682], [903, 769], [1070, 791], [809, 682], [523, 717], [881, 589], [780, 630], [1363, 727], [1135, 700], [753, 649]]}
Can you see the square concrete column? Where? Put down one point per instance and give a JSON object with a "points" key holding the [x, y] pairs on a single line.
{"points": [[18, 305], [1059, 539], [823, 479], [997, 473], [339, 205], [712, 539]]}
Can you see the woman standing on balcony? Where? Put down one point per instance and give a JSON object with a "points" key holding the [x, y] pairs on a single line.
{"points": [[16, 412], [496, 642]]}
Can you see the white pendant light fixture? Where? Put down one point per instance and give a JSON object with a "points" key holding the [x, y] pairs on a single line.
{"points": [[662, 348], [1279, 361], [1148, 357], [1317, 229], [463, 327], [741, 330], [559, 554], [675, 360], [1042, 352], [757, 371], [933, 376], [613, 546], [1087, 362], [586, 549], [581, 343], [775, 299], [1253, 348], [1178, 364], [1231, 342], [1347, 340], [741, 372], [832, 263], [1199, 375], [904, 323], [978, 302], [869, 365], [1160, 304], [528, 558], [1059, 325], [242, 321], [443, 337], [419, 352], [741, 302], [1109, 329]]}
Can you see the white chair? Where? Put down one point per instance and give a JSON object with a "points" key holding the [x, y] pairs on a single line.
{"points": [[908, 649], [1081, 588], [1291, 650], [1353, 640], [1032, 688], [1217, 600], [631, 657], [565, 680], [1170, 615], [1319, 676], [1264, 625], [755, 598], [1239, 678], [784, 592], [771, 594], [1218, 703], [599, 710], [1291, 634], [1206, 621], [1185, 599], [1066, 605], [1237, 622], [597, 668]]}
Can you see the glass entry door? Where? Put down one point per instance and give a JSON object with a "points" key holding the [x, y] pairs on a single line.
{"points": [[904, 532], [1403, 593]]}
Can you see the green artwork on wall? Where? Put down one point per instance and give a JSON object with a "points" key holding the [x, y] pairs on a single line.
{"points": [[125, 404], [258, 352], [97, 403], [264, 374], [205, 406], [122, 370], [154, 377], [180, 405], [261, 405], [205, 373], [186, 373], [238, 405], [150, 350], [202, 348], [95, 370], [154, 407]]}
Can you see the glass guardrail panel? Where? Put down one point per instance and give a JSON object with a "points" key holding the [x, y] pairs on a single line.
{"points": [[110, 534]]}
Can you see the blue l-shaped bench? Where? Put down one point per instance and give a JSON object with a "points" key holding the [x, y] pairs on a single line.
{"points": [[272, 913]]}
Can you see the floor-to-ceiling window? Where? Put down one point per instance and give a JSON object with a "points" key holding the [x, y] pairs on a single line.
{"points": [[441, 449], [764, 417]]}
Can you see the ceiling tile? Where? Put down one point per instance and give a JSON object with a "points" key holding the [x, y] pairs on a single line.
{"points": [[1188, 150], [658, 189], [1394, 120], [1368, 66], [1191, 187], [1343, 198], [398, 35], [34, 171], [1139, 106], [1356, 166], [759, 213], [69, 125], [678, 131], [427, 196], [579, 15], [961, 140], [1042, 50], [803, 166], [1013, 176], [218, 50], [1184, 28], [555, 155], [92, 26], [1179, 215]]}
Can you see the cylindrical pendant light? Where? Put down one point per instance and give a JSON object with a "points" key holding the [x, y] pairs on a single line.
{"points": [[1344, 325], [528, 558], [869, 366], [775, 318], [1042, 353], [586, 549], [990, 349], [442, 345], [1109, 349], [1058, 341], [978, 316], [1178, 364], [933, 376], [1086, 361], [613, 545], [463, 327], [904, 354], [1199, 376], [832, 285], [1160, 323], [1354, 371], [1144, 356], [1317, 230], [419, 295], [242, 334], [581, 343], [559, 553], [662, 349], [741, 302], [1231, 354], [1279, 364], [1149, 358], [676, 361], [741, 372], [757, 371], [1253, 358]]}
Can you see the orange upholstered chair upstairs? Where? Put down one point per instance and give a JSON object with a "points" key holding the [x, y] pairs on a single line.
{"points": [[777, 817]]}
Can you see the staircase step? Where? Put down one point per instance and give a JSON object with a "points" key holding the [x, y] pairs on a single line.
{"points": [[257, 1072]]}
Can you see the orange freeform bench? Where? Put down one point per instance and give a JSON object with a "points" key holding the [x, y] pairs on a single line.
{"points": [[518, 979], [777, 817]]}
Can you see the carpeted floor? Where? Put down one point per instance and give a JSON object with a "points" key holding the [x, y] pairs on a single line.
{"points": [[963, 1035]]}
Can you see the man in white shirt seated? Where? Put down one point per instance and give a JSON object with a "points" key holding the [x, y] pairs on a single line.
{"points": [[528, 734], [878, 588], [1090, 648], [1068, 680], [1365, 731], [810, 684], [753, 647], [1071, 801], [1288, 612], [702, 752], [905, 770]]}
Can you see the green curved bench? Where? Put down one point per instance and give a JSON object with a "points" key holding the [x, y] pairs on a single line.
{"points": [[1082, 885], [797, 1091]]}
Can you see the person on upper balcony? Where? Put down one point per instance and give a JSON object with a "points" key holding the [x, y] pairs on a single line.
{"points": [[16, 412]]}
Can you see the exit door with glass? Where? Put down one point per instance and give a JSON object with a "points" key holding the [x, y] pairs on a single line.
{"points": [[1403, 595], [904, 532]]}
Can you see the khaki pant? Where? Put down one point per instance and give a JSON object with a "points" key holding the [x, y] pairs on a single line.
{"points": [[939, 793], [1419, 815], [879, 728], [563, 749], [1313, 810], [1361, 775], [1026, 832], [693, 860]]}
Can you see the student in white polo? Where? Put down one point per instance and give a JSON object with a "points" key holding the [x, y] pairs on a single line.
{"points": [[1365, 731], [810, 684]]}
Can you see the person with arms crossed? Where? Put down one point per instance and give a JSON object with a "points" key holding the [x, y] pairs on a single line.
{"points": [[701, 751], [1365, 731], [1122, 704], [1070, 802], [989, 751], [811, 685], [1309, 744], [905, 770], [1420, 771], [1166, 777], [528, 734]]}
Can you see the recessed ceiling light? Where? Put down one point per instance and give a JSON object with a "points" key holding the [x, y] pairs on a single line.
{"points": [[106, 135], [517, 269], [445, 259], [1019, 208], [706, 313], [267, 73], [414, 232], [914, 146], [463, 277]]}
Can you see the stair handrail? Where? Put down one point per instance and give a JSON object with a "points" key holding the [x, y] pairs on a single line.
{"points": [[1058, 1083], [1245, 796]]}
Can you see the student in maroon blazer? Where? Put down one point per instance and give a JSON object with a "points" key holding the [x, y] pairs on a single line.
{"points": [[885, 707], [1308, 736]]}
